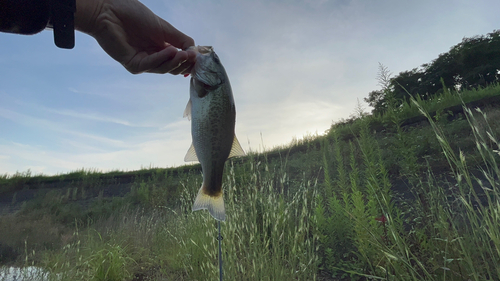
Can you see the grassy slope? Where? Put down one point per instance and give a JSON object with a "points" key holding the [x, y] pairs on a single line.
{"points": [[364, 169]]}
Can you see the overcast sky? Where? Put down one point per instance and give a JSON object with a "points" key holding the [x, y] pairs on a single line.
{"points": [[295, 67]]}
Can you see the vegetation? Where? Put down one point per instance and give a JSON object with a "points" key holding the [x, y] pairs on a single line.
{"points": [[268, 236], [472, 63], [376, 198]]}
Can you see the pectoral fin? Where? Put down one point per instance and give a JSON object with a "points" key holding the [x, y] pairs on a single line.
{"points": [[236, 149], [191, 155], [187, 111]]}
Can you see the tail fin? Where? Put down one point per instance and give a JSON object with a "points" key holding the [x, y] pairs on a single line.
{"points": [[214, 204]]}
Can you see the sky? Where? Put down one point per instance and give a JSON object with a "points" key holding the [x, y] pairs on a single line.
{"points": [[295, 68]]}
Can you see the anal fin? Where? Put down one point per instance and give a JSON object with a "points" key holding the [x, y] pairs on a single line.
{"points": [[191, 155], [236, 149]]}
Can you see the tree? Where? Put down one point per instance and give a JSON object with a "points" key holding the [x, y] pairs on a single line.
{"points": [[479, 60], [444, 67], [472, 63], [407, 82], [376, 99]]}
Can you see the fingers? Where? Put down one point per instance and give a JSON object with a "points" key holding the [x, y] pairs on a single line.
{"points": [[169, 60], [142, 41], [186, 66]]}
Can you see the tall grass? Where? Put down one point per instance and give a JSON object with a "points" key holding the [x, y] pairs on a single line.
{"points": [[270, 234], [438, 105], [447, 98], [475, 228], [450, 231], [267, 236]]}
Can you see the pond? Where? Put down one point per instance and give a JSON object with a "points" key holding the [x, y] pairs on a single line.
{"points": [[29, 273]]}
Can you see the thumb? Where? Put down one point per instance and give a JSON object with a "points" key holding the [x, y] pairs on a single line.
{"points": [[174, 37]]}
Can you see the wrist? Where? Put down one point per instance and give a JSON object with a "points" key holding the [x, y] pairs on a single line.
{"points": [[86, 14]]}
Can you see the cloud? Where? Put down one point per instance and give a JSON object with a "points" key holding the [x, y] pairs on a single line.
{"points": [[92, 116], [158, 153], [71, 149], [279, 124]]}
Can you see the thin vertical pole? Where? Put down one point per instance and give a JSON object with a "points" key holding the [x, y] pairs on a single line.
{"points": [[220, 252]]}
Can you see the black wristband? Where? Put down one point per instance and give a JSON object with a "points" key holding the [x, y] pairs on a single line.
{"points": [[63, 22]]}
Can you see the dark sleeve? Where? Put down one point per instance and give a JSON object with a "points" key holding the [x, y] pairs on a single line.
{"points": [[24, 16]]}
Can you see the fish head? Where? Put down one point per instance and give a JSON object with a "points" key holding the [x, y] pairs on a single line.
{"points": [[208, 73]]}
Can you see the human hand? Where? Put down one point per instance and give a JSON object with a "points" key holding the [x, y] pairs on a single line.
{"points": [[134, 36]]}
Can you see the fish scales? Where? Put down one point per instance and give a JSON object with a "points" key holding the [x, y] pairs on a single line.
{"points": [[212, 112]]}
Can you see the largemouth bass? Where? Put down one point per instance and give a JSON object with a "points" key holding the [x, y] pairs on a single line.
{"points": [[212, 113]]}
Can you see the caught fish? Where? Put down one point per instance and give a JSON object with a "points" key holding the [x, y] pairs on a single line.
{"points": [[212, 113]]}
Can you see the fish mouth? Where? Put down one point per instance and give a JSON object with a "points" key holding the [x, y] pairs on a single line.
{"points": [[202, 50], [205, 50]]}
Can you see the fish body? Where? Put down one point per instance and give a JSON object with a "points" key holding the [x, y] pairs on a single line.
{"points": [[212, 112]]}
